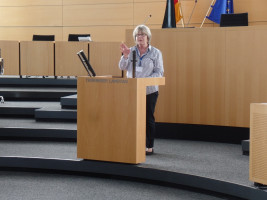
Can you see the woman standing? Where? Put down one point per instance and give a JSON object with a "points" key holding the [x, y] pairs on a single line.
{"points": [[149, 64]]}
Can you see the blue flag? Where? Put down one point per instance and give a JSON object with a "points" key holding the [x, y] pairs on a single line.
{"points": [[221, 7]]}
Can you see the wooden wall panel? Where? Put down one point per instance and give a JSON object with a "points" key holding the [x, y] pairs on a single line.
{"points": [[198, 14], [98, 33], [10, 54], [87, 2], [29, 2], [194, 64], [212, 74], [200, 63], [31, 16], [98, 14], [148, 1], [26, 33], [104, 58], [37, 58], [112, 15], [165, 41], [257, 23], [256, 9], [246, 73], [67, 63], [143, 10]]}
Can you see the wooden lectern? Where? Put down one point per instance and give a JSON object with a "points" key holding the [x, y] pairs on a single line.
{"points": [[258, 143], [111, 118]]}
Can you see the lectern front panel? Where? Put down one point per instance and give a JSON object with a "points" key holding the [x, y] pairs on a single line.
{"points": [[111, 120]]}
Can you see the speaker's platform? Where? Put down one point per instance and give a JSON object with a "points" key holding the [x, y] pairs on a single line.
{"points": [[214, 167]]}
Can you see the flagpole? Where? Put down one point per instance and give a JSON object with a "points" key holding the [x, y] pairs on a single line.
{"points": [[206, 14], [192, 12], [180, 7]]}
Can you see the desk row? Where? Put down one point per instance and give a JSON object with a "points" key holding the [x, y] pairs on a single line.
{"points": [[38, 58]]}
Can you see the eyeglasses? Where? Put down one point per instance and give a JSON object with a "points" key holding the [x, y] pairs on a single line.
{"points": [[141, 35]]}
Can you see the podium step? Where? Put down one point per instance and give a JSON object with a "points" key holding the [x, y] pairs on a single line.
{"points": [[69, 101], [24, 108], [17, 111], [37, 81], [30, 128], [31, 93], [55, 113]]}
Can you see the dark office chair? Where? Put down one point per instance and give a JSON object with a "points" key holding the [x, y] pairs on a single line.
{"points": [[237, 19], [79, 37], [43, 38]]}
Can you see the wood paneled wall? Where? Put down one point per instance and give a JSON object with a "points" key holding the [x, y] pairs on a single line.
{"points": [[212, 74], [104, 20]]}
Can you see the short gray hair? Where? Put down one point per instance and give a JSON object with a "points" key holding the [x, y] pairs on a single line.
{"points": [[143, 29]]}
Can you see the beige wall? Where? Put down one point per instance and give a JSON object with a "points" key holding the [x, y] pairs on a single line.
{"points": [[105, 20], [212, 74]]}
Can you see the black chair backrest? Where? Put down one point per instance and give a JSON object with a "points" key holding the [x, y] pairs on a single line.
{"points": [[75, 37], [43, 38], [238, 19]]}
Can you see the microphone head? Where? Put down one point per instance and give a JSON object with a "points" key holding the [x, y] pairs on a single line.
{"points": [[134, 53]]}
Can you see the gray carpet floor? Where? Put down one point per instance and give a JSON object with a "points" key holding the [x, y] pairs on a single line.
{"points": [[44, 186], [213, 160]]}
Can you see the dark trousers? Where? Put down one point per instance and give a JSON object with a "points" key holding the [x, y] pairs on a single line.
{"points": [[151, 101]]}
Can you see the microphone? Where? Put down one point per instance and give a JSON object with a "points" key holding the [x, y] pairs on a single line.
{"points": [[147, 18], [1, 64], [134, 63]]}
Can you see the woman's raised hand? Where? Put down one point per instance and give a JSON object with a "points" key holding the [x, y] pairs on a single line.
{"points": [[124, 50]]}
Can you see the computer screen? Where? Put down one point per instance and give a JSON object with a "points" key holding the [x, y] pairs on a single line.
{"points": [[43, 38], [86, 63], [237, 19], [79, 37]]}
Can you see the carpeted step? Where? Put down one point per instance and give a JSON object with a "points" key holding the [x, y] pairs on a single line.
{"points": [[31, 93], [57, 114], [30, 128], [69, 101], [22, 109]]}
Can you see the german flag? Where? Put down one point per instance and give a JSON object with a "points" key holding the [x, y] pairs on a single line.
{"points": [[178, 15], [169, 20]]}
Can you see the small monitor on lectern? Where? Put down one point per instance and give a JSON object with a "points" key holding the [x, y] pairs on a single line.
{"points": [[86, 63]]}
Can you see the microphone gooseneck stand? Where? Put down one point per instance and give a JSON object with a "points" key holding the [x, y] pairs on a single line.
{"points": [[1, 73], [134, 63]]}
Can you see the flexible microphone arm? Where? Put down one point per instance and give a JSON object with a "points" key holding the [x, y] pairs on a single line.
{"points": [[192, 12], [148, 17], [134, 63], [1, 64], [1, 73]]}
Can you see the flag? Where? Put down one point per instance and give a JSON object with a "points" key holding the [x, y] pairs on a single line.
{"points": [[169, 18], [221, 7], [178, 15]]}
